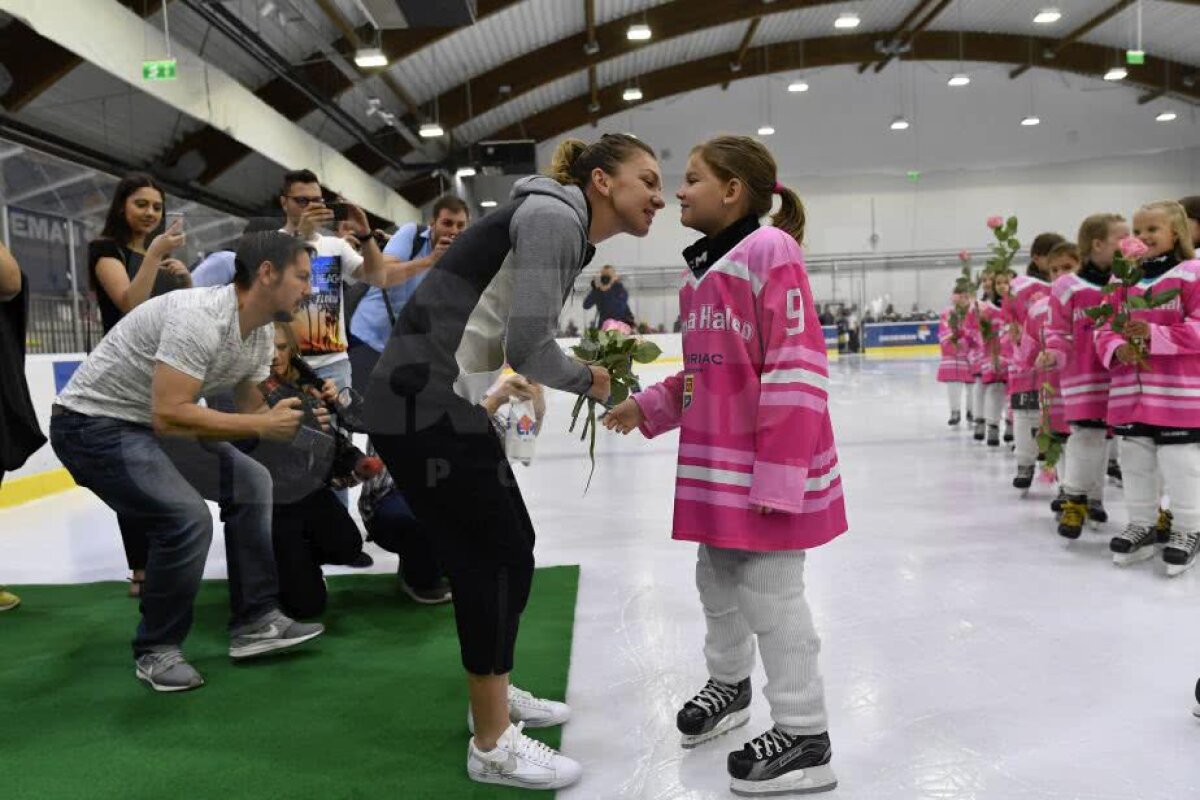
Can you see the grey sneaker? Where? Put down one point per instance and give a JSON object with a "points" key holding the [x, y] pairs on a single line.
{"points": [[167, 671], [273, 632], [433, 596]]}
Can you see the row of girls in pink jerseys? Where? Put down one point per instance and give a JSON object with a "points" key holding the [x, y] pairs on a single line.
{"points": [[1140, 383]]}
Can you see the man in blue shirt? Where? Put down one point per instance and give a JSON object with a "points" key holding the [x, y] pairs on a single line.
{"points": [[418, 246]]}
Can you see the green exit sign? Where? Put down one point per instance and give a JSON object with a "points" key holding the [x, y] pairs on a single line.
{"points": [[914, 175], [158, 70], [1135, 57]]}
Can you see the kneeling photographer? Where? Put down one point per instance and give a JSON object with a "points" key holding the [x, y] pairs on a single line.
{"points": [[310, 526]]}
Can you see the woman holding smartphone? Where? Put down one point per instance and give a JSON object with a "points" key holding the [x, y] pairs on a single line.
{"points": [[127, 265]]}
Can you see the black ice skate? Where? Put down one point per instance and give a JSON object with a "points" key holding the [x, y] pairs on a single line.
{"points": [[1096, 512], [993, 435], [1114, 471], [717, 709], [1136, 543], [1180, 552], [778, 764], [1024, 478], [1008, 433], [955, 418], [1074, 514], [980, 429]]}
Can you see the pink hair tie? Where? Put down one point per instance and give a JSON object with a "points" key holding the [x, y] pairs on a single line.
{"points": [[778, 188]]}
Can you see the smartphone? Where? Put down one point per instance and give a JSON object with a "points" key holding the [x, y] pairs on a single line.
{"points": [[340, 209], [176, 215]]}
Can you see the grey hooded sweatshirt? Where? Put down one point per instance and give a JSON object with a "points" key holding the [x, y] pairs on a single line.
{"points": [[494, 297]]}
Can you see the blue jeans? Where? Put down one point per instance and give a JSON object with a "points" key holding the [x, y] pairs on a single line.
{"points": [[162, 483], [339, 373]]}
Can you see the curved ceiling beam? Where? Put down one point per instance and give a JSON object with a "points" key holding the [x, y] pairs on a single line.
{"points": [[1082, 59], [568, 56]]}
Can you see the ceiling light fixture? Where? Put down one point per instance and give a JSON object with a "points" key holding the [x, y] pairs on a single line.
{"points": [[1048, 16], [798, 86], [847, 21], [1030, 121], [639, 32], [1166, 116], [632, 94], [431, 130], [899, 124], [959, 79], [465, 172], [369, 57], [1116, 74]]}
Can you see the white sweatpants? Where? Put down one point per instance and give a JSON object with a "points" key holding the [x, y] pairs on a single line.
{"points": [[955, 392], [994, 397], [1088, 463], [977, 401], [1142, 464], [750, 594], [1025, 424]]}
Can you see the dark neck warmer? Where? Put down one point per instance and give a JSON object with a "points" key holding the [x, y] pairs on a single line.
{"points": [[1158, 266], [709, 250]]}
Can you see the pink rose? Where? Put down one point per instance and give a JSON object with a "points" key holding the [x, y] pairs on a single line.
{"points": [[964, 256], [995, 222], [616, 325], [1133, 248]]}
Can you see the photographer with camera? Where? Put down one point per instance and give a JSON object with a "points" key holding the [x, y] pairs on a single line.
{"points": [[309, 524], [128, 426], [610, 298], [418, 247], [20, 434]]}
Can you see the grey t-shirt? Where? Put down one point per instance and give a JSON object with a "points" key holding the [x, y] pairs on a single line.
{"points": [[194, 331]]}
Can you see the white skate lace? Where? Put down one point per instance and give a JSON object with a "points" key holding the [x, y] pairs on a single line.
{"points": [[531, 749], [715, 696], [1183, 541], [1136, 534], [771, 742]]}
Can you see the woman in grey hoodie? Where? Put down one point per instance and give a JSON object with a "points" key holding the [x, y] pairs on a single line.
{"points": [[495, 298]]}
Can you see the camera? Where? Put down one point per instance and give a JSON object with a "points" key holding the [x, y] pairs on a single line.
{"points": [[331, 451], [605, 280]]}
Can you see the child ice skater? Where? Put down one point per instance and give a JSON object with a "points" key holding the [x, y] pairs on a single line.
{"points": [[1034, 367], [956, 334], [978, 355], [758, 481], [1085, 381], [1154, 399], [997, 352]]}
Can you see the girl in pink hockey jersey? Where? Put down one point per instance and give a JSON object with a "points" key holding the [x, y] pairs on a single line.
{"points": [[1154, 405], [758, 480], [956, 334], [977, 356], [1022, 383], [1032, 370], [997, 352], [1071, 349]]}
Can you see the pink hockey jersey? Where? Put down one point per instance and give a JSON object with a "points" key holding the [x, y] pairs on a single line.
{"points": [[1070, 336], [1165, 393], [956, 348], [1025, 292], [996, 353], [752, 405], [1024, 368]]}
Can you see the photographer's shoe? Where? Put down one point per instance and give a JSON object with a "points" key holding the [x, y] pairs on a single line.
{"points": [[166, 670], [274, 632], [8, 600], [522, 762], [530, 711], [435, 595]]}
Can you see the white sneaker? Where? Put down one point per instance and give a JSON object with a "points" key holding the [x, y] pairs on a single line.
{"points": [[521, 761], [534, 712]]}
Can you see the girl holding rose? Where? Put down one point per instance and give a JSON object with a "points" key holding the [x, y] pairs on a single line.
{"points": [[1154, 401], [758, 478]]}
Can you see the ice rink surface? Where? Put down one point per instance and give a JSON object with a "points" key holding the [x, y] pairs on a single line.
{"points": [[969, 652]]}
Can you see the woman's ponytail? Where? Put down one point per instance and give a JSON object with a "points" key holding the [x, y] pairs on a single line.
{"points": [[565, 156]]}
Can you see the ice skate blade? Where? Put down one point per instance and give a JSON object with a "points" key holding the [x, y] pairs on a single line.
{"points": [[1175, 570], [807, 781], [1196, 712], [1136, 557], [735, 720]]}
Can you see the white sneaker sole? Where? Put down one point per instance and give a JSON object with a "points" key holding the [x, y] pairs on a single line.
{"points": [[732, 722], [158, 687], [10, 606], [1196, 712], [425, 601], [505, 780], [269, 646], [1136, 557], [808, 781], [1175, 570]]}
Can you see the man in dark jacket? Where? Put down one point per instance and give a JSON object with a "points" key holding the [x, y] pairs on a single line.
{"points": [[20, 435], [609, 297]]}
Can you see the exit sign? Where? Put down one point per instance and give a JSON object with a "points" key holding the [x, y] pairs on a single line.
{"points": [[914, 175], [158, 70], [1135, 57]]}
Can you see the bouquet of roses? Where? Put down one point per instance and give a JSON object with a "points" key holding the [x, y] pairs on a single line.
{"points": [[1004, 250], [1050, 444], [1119, 303], [614, 348]]}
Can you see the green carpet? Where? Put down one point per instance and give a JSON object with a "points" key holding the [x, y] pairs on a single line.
{"points": [[375, 708]]}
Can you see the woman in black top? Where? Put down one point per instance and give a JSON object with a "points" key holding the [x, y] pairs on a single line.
{"points": [[125, 273]]}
